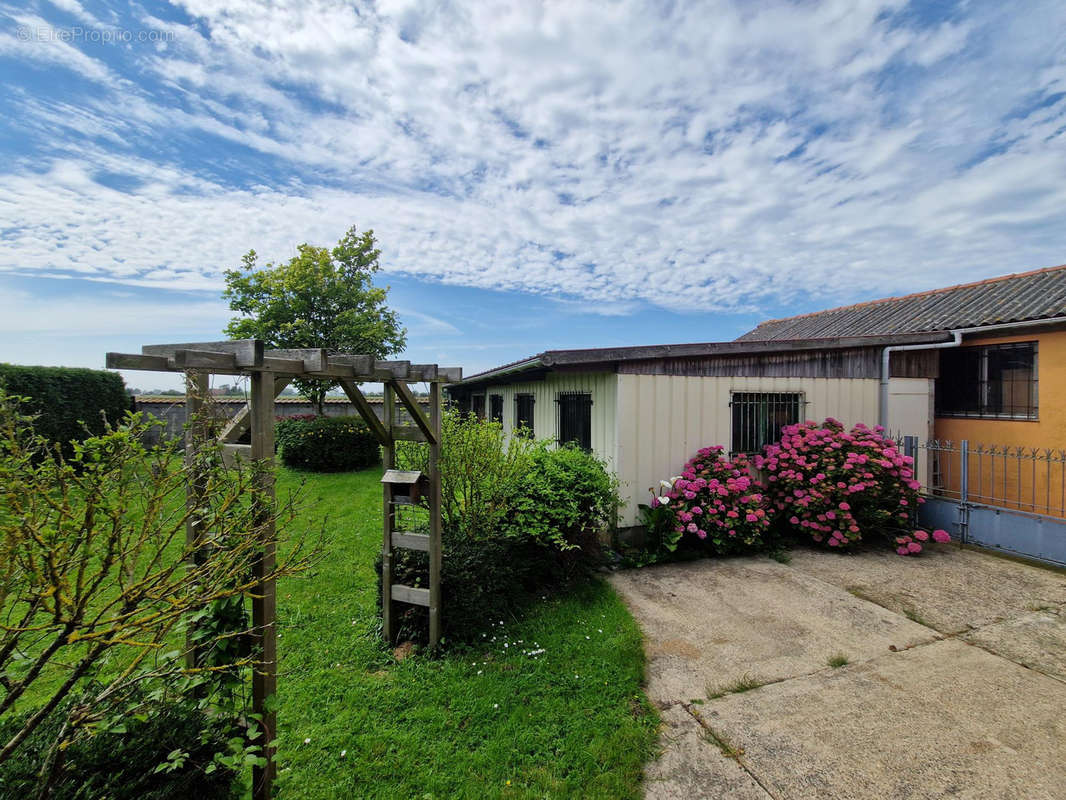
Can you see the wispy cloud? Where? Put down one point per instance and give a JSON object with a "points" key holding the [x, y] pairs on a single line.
{"points": [[712, 156]]}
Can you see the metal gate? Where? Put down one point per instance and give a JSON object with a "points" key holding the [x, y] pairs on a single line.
{"points": [[1011, 499]]}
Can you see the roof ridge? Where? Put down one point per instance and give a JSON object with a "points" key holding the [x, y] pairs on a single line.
{"points": [[926, 293]]}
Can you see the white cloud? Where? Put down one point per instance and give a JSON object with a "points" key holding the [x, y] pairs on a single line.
{"points": [[716, 156]]}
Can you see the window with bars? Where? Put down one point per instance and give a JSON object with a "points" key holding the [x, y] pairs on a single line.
{"points": [[575, 419], [523, 414], [477, 405], [758, 418], [997, 380], [496, 408]]}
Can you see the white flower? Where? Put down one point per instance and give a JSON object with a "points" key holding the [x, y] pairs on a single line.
{"points": [[344, 753], [495, 705], [667, 484], [664, 501], [307, 740]]}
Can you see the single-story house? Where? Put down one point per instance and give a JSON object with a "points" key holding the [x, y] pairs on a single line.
{"points": [[953, 363]]}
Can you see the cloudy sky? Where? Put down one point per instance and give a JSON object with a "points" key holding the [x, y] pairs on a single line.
{"points": [[538, 175]]}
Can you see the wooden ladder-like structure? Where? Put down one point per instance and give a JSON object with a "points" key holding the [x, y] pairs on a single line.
{"points": [[269, 372], [406, 488]]}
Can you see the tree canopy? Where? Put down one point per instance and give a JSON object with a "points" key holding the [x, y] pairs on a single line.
{"points": [[319, 298]]}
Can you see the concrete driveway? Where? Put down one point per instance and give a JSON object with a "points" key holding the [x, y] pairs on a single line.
{"points": [[954, 682]]}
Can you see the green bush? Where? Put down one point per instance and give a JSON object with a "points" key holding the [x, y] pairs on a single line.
{"points": [[326, 444], [123, 766], [519, 518], [565, 498], [70, 403]]}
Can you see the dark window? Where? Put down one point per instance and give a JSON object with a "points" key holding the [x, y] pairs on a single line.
{"points": [[463, 403], [575, 419], [991, 381], [477, 405], [523, 414], [758, 418], [496, 408]]}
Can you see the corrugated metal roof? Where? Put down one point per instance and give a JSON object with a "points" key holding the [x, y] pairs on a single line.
{"points": [[1035, 295]]}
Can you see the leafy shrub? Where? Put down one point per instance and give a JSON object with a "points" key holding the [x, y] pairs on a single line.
{"points": [[518, 517], [565, 499], [836, 485], [481, 472], [719, 502], [126, 765], [70, 403], [326, 444], [714, 506]]}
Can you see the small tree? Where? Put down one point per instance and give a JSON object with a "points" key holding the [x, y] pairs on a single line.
{"points": [[319, 298], [97, 581]]}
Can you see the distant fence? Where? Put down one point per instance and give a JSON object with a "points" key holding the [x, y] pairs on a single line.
{"points": [[171, 410]]}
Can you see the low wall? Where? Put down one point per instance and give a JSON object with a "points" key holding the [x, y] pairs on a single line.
{"points": [[171, 410]]}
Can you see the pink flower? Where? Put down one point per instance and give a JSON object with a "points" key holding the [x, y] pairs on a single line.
{"points": [[914, 547], [921, 536], [794, 520], [844, 507], [692, 527], [902, 550], [941, 536]]}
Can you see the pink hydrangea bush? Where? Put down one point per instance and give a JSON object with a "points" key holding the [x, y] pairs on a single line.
{"points": [[837, 486], [717, 503]]}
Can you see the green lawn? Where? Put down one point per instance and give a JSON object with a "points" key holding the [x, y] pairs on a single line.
{"points": [[491, 721]]}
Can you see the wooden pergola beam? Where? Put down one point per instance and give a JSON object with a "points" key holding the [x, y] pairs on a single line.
{"points": [[415, 411], [246, 352], [246, 357]]}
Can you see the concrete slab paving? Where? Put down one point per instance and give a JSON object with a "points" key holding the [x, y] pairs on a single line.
{"points": [[1036, 640], [942, 720], [693, 768], [710, 623], [948, 587], [914, 714]]}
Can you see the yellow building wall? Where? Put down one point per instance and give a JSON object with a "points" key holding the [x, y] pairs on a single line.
{"points": [[1038, 485]]}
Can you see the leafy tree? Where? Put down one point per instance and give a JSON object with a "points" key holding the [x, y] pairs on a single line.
{"points": [[319, 298]]}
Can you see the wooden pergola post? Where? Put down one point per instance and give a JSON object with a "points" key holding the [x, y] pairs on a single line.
{"points": [[270, 371], [196, 389], [264, 601]]}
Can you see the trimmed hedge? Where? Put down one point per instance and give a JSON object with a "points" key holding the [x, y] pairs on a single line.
{"points": [[326, 444], [71, 403]]}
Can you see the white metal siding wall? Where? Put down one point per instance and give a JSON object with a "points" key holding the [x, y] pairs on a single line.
{"points": [[546, 411], [663, 420]]}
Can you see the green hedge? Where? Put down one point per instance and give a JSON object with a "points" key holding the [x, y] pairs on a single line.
{"points": [[326, 444], [68, 400]]}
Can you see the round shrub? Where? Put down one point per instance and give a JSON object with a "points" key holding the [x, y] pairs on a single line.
{"points": [[837, 486], [565, 499], [717, 504], [326, 444]]}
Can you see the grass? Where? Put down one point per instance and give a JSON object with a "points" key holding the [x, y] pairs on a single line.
{"points": [[729, 750], [837, 660], [489, 721], [914, 616], [744, 683]]}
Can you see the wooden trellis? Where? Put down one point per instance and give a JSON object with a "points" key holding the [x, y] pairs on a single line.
{"points": [[269, 372]]}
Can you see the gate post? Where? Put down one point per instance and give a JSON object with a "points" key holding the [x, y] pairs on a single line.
{"points": [[964, 489]]}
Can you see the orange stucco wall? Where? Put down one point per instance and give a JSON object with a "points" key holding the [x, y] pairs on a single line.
{"points": [[1036, 486]]}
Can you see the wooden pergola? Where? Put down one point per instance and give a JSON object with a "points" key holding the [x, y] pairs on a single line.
{"points": [[269, 372]]}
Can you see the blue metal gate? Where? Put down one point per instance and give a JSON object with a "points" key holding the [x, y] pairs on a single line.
{"points": [[993, 497]]}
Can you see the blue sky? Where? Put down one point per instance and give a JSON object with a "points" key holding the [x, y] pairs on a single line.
{"points": [[538, 175]]}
